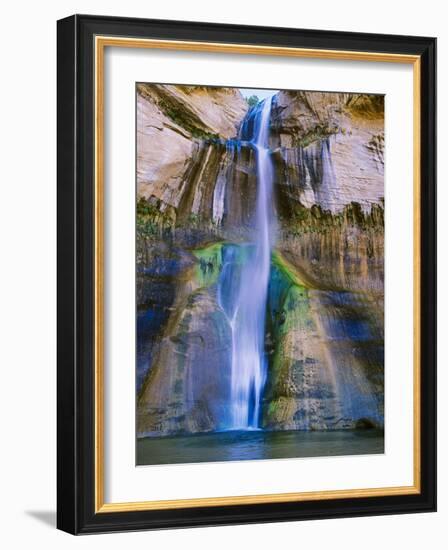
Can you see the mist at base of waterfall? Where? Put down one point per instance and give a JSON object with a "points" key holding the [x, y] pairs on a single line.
{"points": [[257, 444]]}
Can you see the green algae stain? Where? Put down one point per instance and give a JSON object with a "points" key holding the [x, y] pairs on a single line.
{"points": [[285, 269], [209, 264], [288, 303], [288, 313], [210, 261], [296, 307]]}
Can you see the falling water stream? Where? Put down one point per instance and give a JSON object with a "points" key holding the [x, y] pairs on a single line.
{"points": [[244, 287]]}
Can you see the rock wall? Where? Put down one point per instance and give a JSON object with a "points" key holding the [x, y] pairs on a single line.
{"points": [[326, 358], [188, 388], [179, 129], [328, 149]]}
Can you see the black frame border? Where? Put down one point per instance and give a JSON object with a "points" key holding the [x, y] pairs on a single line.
{"points": [[76, 263]]}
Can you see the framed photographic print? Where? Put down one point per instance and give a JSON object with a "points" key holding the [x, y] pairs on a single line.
{"points": [[246, 274]]}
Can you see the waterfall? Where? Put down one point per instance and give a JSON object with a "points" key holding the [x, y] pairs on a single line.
{"points": [[242, 292]]}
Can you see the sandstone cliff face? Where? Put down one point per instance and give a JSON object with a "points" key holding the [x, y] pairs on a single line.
{"points": [[197, 188], [175, 129], [329, 149], [188, 389], [326, 364], [326, 370], [337, 251], [330, 188]]}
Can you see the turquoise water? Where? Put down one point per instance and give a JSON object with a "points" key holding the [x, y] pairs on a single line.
{"points": [[253, 445]]}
